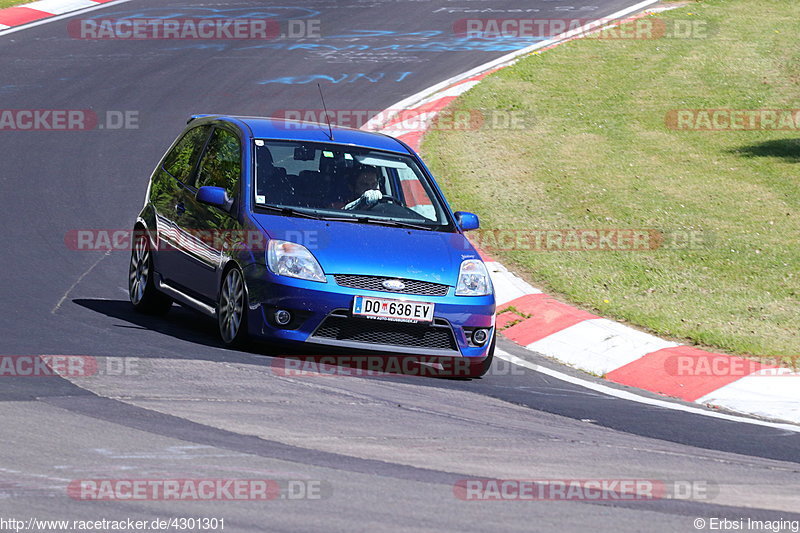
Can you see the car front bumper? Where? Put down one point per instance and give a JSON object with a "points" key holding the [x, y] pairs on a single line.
{"points": [[321, 316]]}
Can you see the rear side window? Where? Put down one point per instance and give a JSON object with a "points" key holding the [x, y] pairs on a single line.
{"points": [[182, 159], [222, 162]]}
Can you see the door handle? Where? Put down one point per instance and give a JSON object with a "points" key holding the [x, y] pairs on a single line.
{"points": [[180, 208]]}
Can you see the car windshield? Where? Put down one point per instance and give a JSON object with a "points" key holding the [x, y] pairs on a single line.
{"points": [[345, 183]]}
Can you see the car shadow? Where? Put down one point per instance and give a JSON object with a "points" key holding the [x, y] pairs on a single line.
{"points": [[191, 326], [180, 322], [788, 149]]}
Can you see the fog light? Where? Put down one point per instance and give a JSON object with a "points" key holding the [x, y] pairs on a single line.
{"points": [[479, 336], [282, 317]]}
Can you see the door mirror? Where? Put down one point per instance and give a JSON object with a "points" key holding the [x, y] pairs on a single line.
{"points": [[216, 196], [467, 221]]}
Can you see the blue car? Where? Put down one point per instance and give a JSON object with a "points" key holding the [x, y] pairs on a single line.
{"points": [[303, 235]]}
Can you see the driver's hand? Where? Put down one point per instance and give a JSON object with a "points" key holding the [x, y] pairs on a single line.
{"points": [[368, 199], [372, 197]]}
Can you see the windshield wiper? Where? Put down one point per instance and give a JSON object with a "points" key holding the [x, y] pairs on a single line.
{"points": [[289, 211], [394, 223]]}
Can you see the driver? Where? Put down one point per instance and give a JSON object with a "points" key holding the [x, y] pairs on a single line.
{"points": [[365, 184]]}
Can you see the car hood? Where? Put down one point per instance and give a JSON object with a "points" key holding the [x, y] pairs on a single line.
{"points": [[370, 249]]}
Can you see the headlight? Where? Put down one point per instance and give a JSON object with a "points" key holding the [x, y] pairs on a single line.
{"points": [[293, 260], [473, 279]]}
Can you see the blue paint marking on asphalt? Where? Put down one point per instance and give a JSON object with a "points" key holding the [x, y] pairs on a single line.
{"points": [[219, 47], [343, 78], [458, 45], [8, 89], [361, 34]]}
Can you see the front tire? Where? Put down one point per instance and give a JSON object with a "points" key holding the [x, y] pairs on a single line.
{"points": [[141, 284], [478, 370], [232, 309]]}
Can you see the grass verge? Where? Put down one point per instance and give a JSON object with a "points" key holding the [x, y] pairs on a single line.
{"points": [[9, 3], [597, 152]]}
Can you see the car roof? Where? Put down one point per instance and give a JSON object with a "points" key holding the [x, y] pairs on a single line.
{"points": [[294, 130]]}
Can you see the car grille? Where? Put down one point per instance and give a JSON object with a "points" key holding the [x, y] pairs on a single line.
{"points": [[341, 327], [374, 283]]}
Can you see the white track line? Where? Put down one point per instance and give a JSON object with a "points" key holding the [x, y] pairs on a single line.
{"points": [[626, 395], [80, 278], [60, 7]]}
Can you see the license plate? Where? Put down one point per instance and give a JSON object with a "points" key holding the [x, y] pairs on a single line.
{"points": [[394, 310]]}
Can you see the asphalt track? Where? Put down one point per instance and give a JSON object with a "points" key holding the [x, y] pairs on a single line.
{"points": [[387, 451]]}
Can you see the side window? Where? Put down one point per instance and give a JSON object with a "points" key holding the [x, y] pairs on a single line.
{"points": [[221, 164], [181, 160]]}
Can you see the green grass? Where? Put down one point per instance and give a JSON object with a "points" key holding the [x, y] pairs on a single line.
{"points": [[9, 3], [596, 153]]}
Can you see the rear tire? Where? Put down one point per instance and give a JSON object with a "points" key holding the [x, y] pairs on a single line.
{"points": [[141, 284], [232, 309]]}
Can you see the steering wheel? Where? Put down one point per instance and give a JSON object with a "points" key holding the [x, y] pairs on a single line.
{"points": [[386, 198]]}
